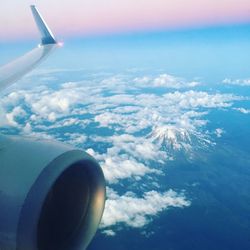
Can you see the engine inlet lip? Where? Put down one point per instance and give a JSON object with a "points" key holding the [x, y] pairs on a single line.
{"points": [[33, 204]]}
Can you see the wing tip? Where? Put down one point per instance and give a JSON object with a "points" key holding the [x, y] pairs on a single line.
{"points": [[46, 35]]}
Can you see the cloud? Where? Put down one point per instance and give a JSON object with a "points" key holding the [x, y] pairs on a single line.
{"points": [[117, 166], [121, 108], [138, 125], [76, 139], [109, 232], [239, 82], [165, 81], [243, 110], [137, 146], [121, 167], [175, 107], [134, 211], [13, 115], [219, 132]]}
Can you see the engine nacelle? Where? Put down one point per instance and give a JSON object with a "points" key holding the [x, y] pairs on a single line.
{"points": [[51, 196]]}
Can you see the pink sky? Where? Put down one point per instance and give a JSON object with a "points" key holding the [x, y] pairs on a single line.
{"points": [[87, 17]]}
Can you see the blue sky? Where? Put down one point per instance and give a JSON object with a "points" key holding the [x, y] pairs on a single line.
{"points": [[210, 53]]}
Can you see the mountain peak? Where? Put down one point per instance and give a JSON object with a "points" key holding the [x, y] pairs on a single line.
{"points": [[174, 139]]}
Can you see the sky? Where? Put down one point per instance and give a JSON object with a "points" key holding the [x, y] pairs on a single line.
{"points": [[204, 39], [98, 17]]}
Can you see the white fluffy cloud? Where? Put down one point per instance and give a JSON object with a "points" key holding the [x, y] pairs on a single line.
{"points": [[14, 114], [121, 167], [128, 156], [166, 81], [137, 211]]}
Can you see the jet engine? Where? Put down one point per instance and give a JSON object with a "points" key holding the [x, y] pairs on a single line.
{"points": [[51, 196]]}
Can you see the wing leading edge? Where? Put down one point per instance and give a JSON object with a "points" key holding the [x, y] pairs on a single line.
{"points": [[13, 71]]}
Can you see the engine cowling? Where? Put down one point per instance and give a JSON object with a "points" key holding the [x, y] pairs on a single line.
{"points": [[51, 196]]}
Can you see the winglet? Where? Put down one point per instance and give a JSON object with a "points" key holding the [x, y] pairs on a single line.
{"points": [[46, 35]]}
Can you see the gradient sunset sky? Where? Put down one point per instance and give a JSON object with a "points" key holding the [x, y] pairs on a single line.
{"points": [[98, 17]]}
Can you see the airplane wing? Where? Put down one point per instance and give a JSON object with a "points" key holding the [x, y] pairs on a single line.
{"points": [[13, 71], [54, 194]]}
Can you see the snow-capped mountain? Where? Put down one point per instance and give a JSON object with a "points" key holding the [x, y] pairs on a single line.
{"points": [[177, 140]]}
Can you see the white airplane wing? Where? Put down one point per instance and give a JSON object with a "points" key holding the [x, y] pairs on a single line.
{"points": [[13, 71]]}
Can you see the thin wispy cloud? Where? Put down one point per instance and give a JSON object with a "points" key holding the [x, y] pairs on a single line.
{"points": [[238, 82], [243, 110]]}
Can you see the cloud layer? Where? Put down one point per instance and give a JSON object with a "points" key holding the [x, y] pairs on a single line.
{"points": [[129, 126]]}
